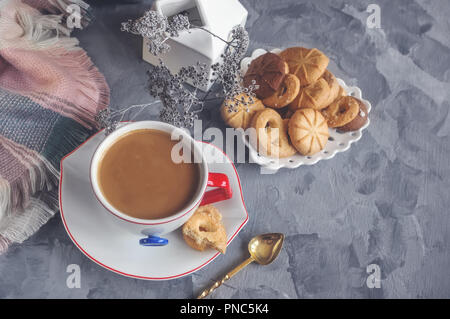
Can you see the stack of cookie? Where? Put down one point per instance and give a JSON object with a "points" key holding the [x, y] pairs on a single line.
{"points": [[300, 98]]}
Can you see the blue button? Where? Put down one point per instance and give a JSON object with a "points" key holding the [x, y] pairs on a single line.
{"points": [[153, 241]]}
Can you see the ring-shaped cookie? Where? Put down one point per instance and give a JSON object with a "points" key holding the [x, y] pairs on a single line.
{"points": [[268, 72], [359, 121], [271, 133], [285, 94], [342, 111], [205, 229]]}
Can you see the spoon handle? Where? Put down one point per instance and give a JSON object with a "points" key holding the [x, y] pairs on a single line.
{"points": [[218, 283]]}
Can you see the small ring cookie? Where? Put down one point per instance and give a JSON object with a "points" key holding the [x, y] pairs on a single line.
{"points": [[341, 112], [285, 94], [271, 133], [205, 229], [359, 121], [268, 72]]}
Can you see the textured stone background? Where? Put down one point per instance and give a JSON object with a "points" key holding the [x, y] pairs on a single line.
{"points": [[385, 201]]}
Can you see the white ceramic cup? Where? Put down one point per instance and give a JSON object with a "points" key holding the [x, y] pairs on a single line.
{"points": [[164, 225]]}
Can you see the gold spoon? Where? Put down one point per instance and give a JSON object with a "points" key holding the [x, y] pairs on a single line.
{"points": [[263, 249]]}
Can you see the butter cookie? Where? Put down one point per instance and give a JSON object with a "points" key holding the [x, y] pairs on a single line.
{"points": [[285, 94], [333, 85], [307, 64], [238, 115], [268, 72], [308, 131], [272, 136], [314, 96], [359, 121], [205, 229], [342, 111]]}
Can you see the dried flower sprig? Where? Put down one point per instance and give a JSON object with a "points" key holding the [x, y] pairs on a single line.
{"points": [[109, 120], [105, 121], [157, 28], [179, 101], [227, 71], [181, 104]]}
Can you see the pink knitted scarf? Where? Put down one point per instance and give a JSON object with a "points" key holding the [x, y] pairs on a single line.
{"points": [[49, 94]]}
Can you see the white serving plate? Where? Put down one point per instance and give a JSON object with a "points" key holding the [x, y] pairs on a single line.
{"points": [[337, 143]]}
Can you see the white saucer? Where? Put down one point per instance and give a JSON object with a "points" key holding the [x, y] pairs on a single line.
{"points": [[105, 243]]}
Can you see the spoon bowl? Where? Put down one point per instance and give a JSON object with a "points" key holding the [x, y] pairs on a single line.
{"points": [[265, 248]]}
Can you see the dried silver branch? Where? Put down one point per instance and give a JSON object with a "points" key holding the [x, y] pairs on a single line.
{"points": [[182, 103], [109, 120], [227, 72], [157, 28], [105, 121]]}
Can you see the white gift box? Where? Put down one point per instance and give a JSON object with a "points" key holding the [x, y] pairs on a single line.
{"points": [[196, 45]]}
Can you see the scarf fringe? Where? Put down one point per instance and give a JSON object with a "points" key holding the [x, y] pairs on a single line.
{"points": [[5, 198], [63, 8], [19, 228], [4, 244], [93, 86], [42, 175], [44, 31]]}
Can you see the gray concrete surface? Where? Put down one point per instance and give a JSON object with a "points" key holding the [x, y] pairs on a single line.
{"points": [[385, 201]]}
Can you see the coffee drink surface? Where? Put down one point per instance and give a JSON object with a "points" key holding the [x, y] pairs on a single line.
{"points": [[138, 177]]}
